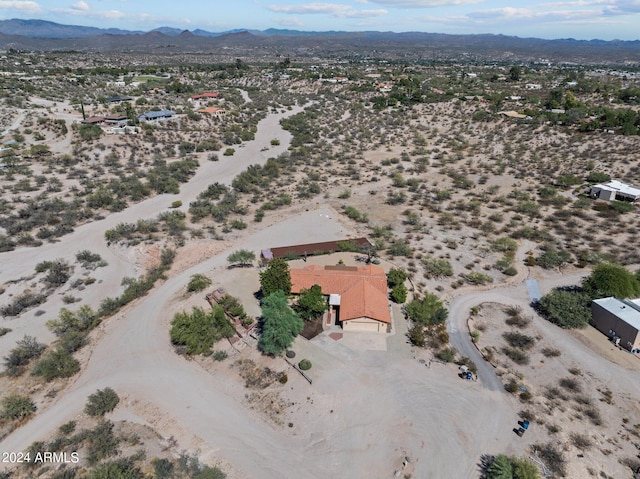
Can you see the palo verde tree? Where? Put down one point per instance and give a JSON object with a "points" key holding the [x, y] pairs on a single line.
{"points": [[276, 277], [311, 303], [280, 324], [243, 257], [427, 311]]}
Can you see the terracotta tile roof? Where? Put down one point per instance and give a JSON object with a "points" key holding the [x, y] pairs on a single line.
{"points": [[363, 290]]}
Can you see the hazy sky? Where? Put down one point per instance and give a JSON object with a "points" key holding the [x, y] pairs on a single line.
{"points": [[581, 19]]}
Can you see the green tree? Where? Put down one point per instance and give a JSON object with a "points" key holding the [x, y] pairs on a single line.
{"points": [[500, 468], [200, 329], [280, 324], [58, 363], [399, 293], [15, 406], [26, 349], [514, 73], [611, 280], [427, 311], [567, 309], [275, 277], [242, 256], [311, 303], [198, 282], [101, 402], [395, 277]]}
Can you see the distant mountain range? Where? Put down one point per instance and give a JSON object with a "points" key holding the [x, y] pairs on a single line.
{"points": [[43, 35]]}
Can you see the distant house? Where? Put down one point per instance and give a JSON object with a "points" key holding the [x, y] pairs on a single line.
{"points": [[155, 115], [358, 296], [117, 120], [201, 98], [93, 120], [619, 319], [615, 190], [310, 249], [118, 99], [213, 110]]}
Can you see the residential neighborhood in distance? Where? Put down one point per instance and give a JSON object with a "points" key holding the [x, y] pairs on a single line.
{"points": [[267, 253]]}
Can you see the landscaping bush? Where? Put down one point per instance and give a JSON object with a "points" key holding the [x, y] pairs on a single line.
{"points": [[399, 294], [304, 365], [426, 311], [101, 402]]}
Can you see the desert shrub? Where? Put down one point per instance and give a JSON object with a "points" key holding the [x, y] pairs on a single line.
{"points": [[220, 355], [21, 303], [304, 364], [518, 321], [571, 384], [525, 396], [101, 402], [395, 277], [102, 443], [504, 245], [4, 331], [67, 428], [27, 349], [553, 257], [516, 355], [447, 355], [86, 257], [512, 386], [399, 248], [58, 363], [229, 152], [552, 457], [551, 352], [416, 335], [581, 441], [198, 282], [519, 340], [124, 468], [436, 267], [58, 272], [15, 406], [476, 277], [594, 415]]}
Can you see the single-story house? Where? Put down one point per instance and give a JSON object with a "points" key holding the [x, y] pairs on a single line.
{"points": [[615, 190], [310, 249], [213, 110], [118, 99], [118, 120], [92, 120], [357, 295], [619, 319], [155, 115], [198, 100]]}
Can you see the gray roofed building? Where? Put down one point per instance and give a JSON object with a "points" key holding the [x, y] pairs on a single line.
{"points": [[618, 318]]}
